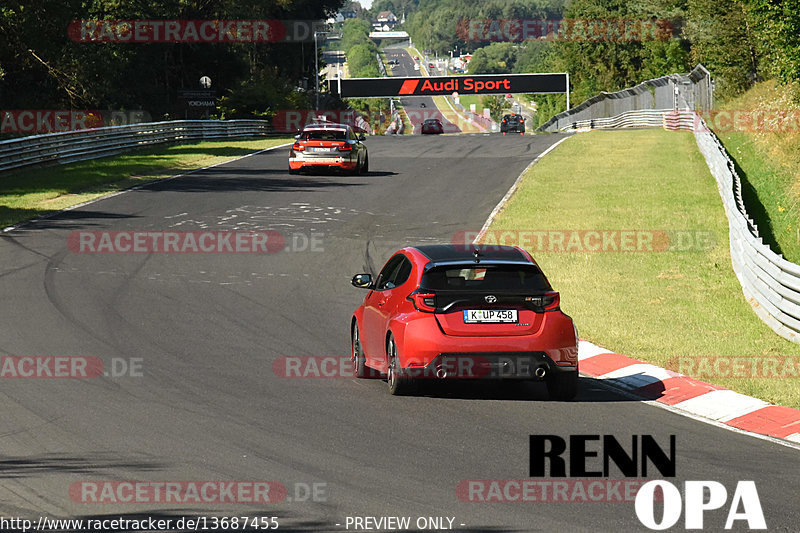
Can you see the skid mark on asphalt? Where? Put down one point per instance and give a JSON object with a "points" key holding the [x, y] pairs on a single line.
{"points": [[369, 263], [62, 306], [13, 241]]}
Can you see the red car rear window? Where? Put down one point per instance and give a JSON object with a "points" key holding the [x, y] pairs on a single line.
{"points": [[486, 278]]}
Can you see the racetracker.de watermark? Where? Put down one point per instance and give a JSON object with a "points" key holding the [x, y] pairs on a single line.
{"points": [[34, 121], [748, 120], [192, 242], [193, 31], [760, 367], [445, 366], [591, 240], [294, 120], [67, 367], [548, 491], [591, 30], [177, 492]]}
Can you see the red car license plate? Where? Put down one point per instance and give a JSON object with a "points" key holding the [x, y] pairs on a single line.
{"points": [[490, 316]]}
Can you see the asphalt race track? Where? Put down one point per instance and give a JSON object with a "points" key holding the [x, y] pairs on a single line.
{"points": [[205, 329], [418, 108]]}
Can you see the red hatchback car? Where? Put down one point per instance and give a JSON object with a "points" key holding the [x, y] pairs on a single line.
{"points": [[449, 311]]}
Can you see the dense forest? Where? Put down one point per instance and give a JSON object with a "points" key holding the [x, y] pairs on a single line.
{"points": [[739, 41], [43, 65]]}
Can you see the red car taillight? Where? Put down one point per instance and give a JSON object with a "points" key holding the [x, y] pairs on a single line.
{"points": [[423, 301], [297, 147], [548, 301], [347, 147]]}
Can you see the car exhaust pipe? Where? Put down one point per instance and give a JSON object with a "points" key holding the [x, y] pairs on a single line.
{"points": [[441, 373], [541, 371]]}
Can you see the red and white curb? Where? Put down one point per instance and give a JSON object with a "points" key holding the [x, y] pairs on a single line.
{"points": [[689, 396]]}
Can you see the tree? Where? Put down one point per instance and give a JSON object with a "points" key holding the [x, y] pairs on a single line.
{"points": [[46, 69], [361, 61], [497, 58], [355, 31], [778, 26], [721, 35], [497, 105]]}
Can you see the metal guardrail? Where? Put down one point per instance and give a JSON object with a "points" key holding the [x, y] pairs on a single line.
{"points": [[67, 147], [669, 119], [662, 93], [628, 119], [770, 283], [381, 66]]}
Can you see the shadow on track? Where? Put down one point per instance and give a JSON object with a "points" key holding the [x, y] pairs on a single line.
{"points": [[72, 219], [243, 180], [589, 390]]}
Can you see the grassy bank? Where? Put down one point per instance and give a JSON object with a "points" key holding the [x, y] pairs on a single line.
{"points": [[767, 152], [35, 192], [650, 304]]}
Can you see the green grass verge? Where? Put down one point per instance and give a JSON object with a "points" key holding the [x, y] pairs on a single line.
{"points": [[467, 99], [35, 192], [770, 168], [654, 306], [408, 128]]}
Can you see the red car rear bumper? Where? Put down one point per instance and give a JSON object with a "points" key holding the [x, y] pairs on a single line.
{"points": [[421, 344]]}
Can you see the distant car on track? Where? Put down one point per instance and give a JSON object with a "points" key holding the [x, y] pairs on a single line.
{"points": [[432, 125], [513, 123], [463, 312], [329, 145]]}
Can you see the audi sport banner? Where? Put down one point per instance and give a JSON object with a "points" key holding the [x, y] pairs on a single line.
{"points": [[438, 85]]}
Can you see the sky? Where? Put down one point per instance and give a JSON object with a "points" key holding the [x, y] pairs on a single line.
{"points": [[366, 4]]}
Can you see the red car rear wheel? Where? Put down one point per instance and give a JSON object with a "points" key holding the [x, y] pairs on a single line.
{"points": [[360, 368], [398, 383]]}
